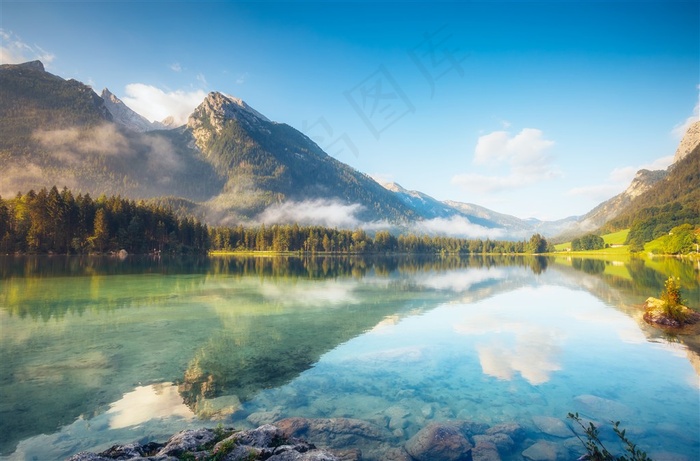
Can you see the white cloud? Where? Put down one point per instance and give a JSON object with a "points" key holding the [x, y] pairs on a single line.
{"points": [[679, 130], [619, 179], [176, 67], [155, 104], [14, 51], [456, 226], [499, 147], [459, 281], [242, 78], [202, 80], [320, 212], [523, 155], [145, 403]]}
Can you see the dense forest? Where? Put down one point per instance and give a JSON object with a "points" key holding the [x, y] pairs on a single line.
{"points": [[50, 221], [53, 221], [313, 239]]}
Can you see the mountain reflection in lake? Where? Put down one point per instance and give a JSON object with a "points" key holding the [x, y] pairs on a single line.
{"points": [[97, 351]]}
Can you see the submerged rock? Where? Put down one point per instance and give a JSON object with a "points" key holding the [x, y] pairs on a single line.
{"points": [[552, 426], [443, 441], [601, 408], [333, 430], [513, 430], [541, 451], [485, 451]]}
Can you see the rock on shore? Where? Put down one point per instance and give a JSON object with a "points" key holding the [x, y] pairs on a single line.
{"points": [[266, 442], [655, 314]]}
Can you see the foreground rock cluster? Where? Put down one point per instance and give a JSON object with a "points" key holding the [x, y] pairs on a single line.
{"points": [[456, 440], [264, 443]]}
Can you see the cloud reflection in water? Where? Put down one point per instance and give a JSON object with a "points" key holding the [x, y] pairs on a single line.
{"points": [[145, 403]]}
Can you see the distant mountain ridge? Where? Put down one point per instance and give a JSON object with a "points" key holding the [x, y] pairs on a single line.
{"points": [[127, 118], [431, 208], [231, 164]]}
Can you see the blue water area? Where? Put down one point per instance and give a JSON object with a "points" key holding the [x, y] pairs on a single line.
{"points": [[97, 358]]}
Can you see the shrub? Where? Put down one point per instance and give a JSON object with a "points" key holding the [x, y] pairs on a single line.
{"points": [[672, 300], [597, 451]]}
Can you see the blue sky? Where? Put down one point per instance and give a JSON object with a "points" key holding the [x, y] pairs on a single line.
{"points": [[536, 109]]}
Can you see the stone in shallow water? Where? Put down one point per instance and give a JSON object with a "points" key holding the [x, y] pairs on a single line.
{"points": [[485, 451], [397, 417], [605, 409], [503, 442], [218, 408], [514, 430], [541, 451], [552, 426], [264, 417], [333, 431], [439, 441]]}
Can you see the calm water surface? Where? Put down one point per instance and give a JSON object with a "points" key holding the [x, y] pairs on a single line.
{"points": [[99, 351]]}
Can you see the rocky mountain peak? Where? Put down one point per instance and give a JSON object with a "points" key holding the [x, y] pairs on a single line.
{"points": [[689, 142], [123, 115], [393, 186], [32, 65], [216, 109], [643, 181]]}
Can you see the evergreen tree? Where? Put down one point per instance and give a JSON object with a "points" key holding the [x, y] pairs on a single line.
{"points": [[100, 236]]}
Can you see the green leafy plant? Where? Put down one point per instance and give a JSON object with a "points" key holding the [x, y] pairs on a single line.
{"points": [[595, 449], [672, 300]]}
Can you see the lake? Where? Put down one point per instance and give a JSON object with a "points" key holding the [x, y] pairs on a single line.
{"points": [[97, 351]]}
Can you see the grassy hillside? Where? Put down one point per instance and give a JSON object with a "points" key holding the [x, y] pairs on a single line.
{"points": [[615, 240], [669, 203]]}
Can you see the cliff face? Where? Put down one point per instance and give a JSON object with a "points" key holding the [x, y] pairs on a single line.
{"points": [[690, 140], [610, 209]]}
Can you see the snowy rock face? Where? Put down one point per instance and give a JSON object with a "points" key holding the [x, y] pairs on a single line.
{"points": [[217, 108], [124, 116]]}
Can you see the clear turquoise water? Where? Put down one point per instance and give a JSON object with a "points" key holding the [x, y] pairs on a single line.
{"points": [[96, 352]]}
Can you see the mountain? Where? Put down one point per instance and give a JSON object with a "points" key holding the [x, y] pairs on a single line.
{"points": [[265, 163], [124, 116], [231, 164], [690, 141], [674, 200], [611, 208], [60, 132], [648, 189], [429, 208], [511, 227], [228, 164]]}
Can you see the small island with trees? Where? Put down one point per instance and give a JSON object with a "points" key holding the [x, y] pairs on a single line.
{"points": [[669, 311]]}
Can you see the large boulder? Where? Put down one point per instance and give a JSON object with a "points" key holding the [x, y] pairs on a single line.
{"points": [[440, 441]]}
